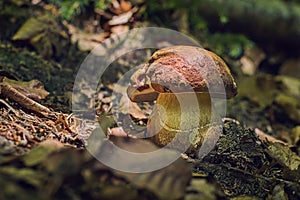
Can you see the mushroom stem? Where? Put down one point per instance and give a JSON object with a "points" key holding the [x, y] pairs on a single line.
{"points": [[186, 115]]}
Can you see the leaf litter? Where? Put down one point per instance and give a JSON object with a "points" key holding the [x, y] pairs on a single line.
{"points": [[240, 164]]}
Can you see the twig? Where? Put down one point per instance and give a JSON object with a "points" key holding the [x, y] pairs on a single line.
{"points": [[9, 107], [24, 101], [62, 120], [25, 134]]}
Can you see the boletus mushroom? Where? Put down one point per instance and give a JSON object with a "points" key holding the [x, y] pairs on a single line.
{"points": [[176, 77]]}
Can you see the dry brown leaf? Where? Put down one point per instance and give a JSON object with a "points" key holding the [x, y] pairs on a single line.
{"points": [[291, 68], [125, 5], [266, 138], [117, 132], [33, 89], [167, 183], [120, 7], [129, 107], [251, 60], [86, 41], [122, 18], [119, 29], [248, 66]]}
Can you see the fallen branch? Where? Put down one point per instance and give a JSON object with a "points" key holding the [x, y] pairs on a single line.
{"points": [[13, 94], [266, 21]]}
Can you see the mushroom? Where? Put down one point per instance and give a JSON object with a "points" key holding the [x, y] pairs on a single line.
{"points": [[177, 77]]}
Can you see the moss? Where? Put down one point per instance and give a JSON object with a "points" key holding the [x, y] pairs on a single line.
{"points": [[24, 65]]}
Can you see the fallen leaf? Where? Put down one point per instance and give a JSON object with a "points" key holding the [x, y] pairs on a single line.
{"points": [[125, 5], [169, 182], [32, 27], [85, 41], [29, 176], [88, 41], [278, 192], [125, 105], [33, 89], [290, 106], [251, 59], [117, 132], [259, 89], [122, 18], [41, 152], [265, 90], [265, 137], [248, 67], [119, 29], [119, 8], [283, 154], [43, 33], [201, 189], [295, 135], [291, 68], [289, 85]]}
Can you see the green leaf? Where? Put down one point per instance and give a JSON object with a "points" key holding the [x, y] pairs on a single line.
{"points": [[31, 28]]}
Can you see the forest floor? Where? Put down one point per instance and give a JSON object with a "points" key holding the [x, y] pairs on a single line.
{"points": [[43, 141]]}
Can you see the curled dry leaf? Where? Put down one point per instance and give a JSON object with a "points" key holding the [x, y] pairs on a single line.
{"points": [[266, 138], [125, 5], [119, 8], [123, 18]]}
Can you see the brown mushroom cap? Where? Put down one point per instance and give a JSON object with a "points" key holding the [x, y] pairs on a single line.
{"points": [[179, 69]]}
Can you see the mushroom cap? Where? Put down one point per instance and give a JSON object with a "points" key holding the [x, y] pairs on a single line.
{"points": [[180, 69]]}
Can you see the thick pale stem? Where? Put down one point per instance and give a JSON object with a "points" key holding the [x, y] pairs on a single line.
{"points": [[186, 115]]}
